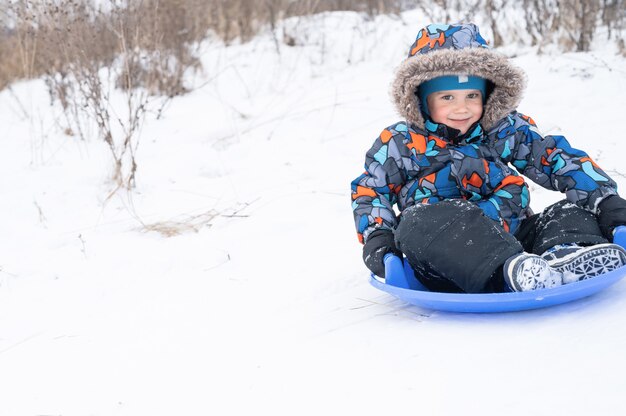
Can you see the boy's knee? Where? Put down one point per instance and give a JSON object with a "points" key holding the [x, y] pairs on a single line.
{"points": [[428, 220], [430, 215], [454, 240]]}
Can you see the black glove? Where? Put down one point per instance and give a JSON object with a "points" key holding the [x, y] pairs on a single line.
{"points": [[611, 213], [379, 243]]}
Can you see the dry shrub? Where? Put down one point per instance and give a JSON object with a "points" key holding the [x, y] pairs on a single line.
{"points": [[82, 48], [11, 69], [142, 47], [44, 37], [167, 30], [572, 25], [167, 33], [370, 7]]}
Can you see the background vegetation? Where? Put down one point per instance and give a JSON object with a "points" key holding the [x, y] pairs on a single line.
{"points": [[144, 48], [44, 37]]}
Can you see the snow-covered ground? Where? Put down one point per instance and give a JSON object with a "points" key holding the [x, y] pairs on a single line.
{"points": [[262, 304]]}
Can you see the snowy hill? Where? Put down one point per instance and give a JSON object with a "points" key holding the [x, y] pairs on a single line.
{"points": [[261, 302]]}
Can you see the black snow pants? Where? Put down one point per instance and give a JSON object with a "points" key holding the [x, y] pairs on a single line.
{"points": [[453, 247]]}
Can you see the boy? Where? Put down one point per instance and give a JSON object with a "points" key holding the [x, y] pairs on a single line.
{"points": [[465, 223]]}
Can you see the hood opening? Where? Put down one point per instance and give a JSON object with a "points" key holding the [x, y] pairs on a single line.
{"points": [[443, 50]]}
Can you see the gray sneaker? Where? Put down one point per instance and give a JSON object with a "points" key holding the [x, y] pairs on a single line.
{"points": [[525, 272], [579, 263]]}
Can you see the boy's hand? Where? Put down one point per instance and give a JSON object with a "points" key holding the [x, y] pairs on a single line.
{"points": [[379, 243], [611, 214]]}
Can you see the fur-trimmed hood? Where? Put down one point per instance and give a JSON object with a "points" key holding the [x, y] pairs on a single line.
{"points": [[457, 49]]}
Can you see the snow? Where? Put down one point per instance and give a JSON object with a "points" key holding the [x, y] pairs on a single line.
{"points": [[262, 302]]}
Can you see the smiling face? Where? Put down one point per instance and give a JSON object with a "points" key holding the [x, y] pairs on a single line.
{"points": [[458, 109]]}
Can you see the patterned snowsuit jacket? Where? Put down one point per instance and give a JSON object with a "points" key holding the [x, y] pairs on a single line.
{"points": [[407, 166], [415, 162]]}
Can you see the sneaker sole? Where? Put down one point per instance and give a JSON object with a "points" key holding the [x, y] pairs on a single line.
{"points": [[590, 262]]}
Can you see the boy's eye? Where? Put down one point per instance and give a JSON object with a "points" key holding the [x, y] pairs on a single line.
{"points": [[473, 95], [447, 97]]}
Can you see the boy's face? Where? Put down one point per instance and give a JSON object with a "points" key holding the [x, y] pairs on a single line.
{"points": [[458, 109]]}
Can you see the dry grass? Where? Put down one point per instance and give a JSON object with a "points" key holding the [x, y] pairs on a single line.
{"points": [[173, 228]]}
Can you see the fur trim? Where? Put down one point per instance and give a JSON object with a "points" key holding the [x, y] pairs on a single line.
{"points": [[509, 81]]}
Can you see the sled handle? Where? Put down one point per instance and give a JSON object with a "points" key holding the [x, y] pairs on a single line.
{"points": [[619, 236], [396, 273], [393, 269]]}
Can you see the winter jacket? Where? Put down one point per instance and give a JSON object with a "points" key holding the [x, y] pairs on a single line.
{"points": [[417, 161]]}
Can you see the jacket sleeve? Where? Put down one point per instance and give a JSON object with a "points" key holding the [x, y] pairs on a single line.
{"points": [[552, 162], [374, 192]]}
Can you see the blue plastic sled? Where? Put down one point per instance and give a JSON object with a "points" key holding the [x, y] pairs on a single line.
{"points": [[400, 282]]}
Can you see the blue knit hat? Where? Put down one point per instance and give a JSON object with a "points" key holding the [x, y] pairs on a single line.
{"points": [[450, 82]]}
